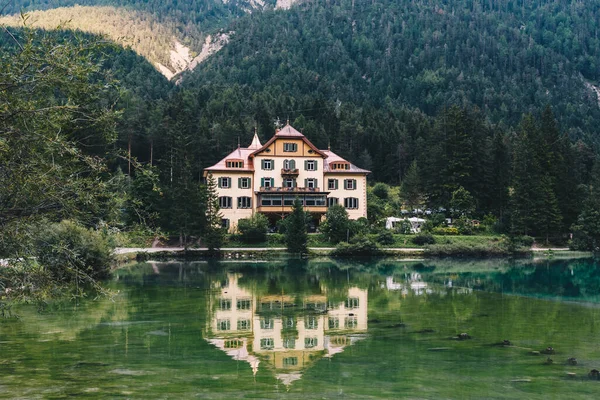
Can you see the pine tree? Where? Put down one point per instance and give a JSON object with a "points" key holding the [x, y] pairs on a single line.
{"points": [[411, 190], [525, 180], [586, 232], [214, 234], [295, 233]]}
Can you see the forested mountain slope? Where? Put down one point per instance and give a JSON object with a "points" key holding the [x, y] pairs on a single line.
{"points": [[508, 59], [156, 42]]}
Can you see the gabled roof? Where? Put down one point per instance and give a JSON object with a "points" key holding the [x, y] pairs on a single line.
{"points": [[246, 154], [289, 132], [238, 154], [332, 157]]}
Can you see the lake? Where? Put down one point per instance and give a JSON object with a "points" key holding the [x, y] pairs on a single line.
{"points": [[316, 330]]}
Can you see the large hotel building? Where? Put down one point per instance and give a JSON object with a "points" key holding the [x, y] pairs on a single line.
{"points": [[268, 178]]}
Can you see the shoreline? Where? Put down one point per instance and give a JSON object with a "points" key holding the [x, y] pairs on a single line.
{"points": [[253, 253]]}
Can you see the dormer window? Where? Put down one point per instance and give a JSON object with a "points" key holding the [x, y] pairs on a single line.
{"points": [[340, 166], [290, 147], [234, 164]]}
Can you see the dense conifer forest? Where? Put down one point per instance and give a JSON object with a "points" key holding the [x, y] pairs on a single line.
{"points": [[492, 99]]}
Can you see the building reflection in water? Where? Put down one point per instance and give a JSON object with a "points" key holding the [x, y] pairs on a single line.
{"points": [[287, 332]]}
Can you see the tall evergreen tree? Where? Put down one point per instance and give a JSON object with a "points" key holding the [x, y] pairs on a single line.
{"points": [[295, 233], [586, 232], [214, 233]]}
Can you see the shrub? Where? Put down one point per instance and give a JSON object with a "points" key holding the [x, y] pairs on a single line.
{"points": [[69, 251], [381, 190], [276, 239], [386, 238], [253, 229], [464, 226], [445, 231], [336, 225], [361, 246], [403, 227], [423, 239]]}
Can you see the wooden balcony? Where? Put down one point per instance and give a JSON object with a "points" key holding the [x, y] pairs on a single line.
{"points": [[282, 190], [293, 172]]}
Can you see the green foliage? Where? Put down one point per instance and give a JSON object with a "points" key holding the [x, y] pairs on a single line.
{"points": [[423, 239], [70, 252], [412, 190], [381, 190], [403, 227], [295, 233], [214, 234], [253, 229], [360, 246], [336, 226], [464, 226], [445, 231], [462, 203], [586, 232], [386, 238]]}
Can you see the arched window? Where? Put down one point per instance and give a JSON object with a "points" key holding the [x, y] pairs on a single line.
{"points": [[286, 164]]}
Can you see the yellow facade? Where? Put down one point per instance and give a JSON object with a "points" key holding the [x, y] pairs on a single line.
{"points": [[286, 167]]}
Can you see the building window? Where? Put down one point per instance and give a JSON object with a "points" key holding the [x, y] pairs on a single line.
{"points": [[310, 183], [267, 182], [234, 164], [223, 324], [224, 304], [350, 322], [311, 322], [332, 201], [310, 165], [351, 302], [244, 202], [351, 203], [350, 184], [270, 200], [224, 182], [339, 165], [289, 164], [290, 147], [243, 324], [267, 165], [310, 342], [318, 201], [289, 342], [289, 200], [225, 202], [267, 344], [289, 183], [244, 304], [290, 361], [266, 323], [332, 184], [334, 322], [244, 183], [225, 223]]}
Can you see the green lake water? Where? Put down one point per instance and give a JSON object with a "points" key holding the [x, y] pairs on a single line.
{"points": [[316, 330]]}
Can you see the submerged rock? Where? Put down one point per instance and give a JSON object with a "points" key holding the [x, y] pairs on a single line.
{"points": [[549, 361], [572, 361], [463, 336], [548, 350], [594, 374]]}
